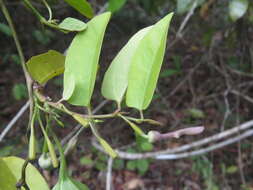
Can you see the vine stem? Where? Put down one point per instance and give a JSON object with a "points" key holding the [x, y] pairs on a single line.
{"points": [[28, 78]]}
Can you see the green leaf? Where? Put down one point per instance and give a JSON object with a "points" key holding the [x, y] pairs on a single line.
{"points": [[82, 6], [142, 166], [84, 122], [183, 6], [82, 61], [45, 66], [237, 8], [136, 129], [169, 72], [116, 77], [115, 5], [86, 161], [5, 29], [103, 143], [131, 164], [72, 25], [19, 91], [146, 65], [232, 169], [10, 173], [196, 113]]}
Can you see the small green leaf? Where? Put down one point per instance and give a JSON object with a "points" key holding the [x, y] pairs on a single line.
{"points": [[82, 6], [10, 173], [45, 66], [84, 122], [237, 8], [19, 91], [104, 144], [136, 129], [82, 61], [142, 166], [72, 25], [169, 73], [116, 77], [115, 5], [183, 6], [196, 113], [5, 29], [86, 161], [146, 65], [131, 165], [232, 169]]}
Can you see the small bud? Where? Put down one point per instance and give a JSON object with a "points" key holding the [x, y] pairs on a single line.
{"points": [[153, 136], [45, 161]]}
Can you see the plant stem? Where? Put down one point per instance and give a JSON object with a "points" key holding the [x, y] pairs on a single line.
{"points": [[22, 181], [29, 81]]}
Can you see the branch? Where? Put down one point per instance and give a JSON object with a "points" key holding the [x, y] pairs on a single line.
{"points": [[14, 120], [109, 174], [186, 147]]}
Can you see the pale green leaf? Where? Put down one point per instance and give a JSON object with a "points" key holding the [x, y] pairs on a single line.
{"points": [[237, 8], [10, 173], [115, 5], [82, 6], [82, 61], [116, 77], [84, 122], [72, 25], [45, 66], [104, 144], [136, 129], [146, 65]]}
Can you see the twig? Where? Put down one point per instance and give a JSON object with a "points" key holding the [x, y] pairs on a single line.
{"points": [[185, 79], [28, 79], [14, 120], [109, 174], [208, 149], [186, 19], [186, 147]]}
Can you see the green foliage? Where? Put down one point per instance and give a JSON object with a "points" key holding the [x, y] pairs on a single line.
{"points": [[237, 8], [5, 29], [82, 6], [116, 5], [204, 167], [146, 65], [116, 77], [19, 91], [44, 37], [72, 25], [65, 182], [82, 62], [10, 173], [173, 71], [45, 66]]}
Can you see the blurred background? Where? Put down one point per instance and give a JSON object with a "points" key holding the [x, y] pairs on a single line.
{"points": [[206, 79]]}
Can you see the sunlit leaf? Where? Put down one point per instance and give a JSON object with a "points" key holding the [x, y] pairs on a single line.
{"points": [[115, 5], [72, 25], [146, 65], [237, 8], [82, 61], [82, 6], [10, 173], [116, 77], [45, 66]]}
